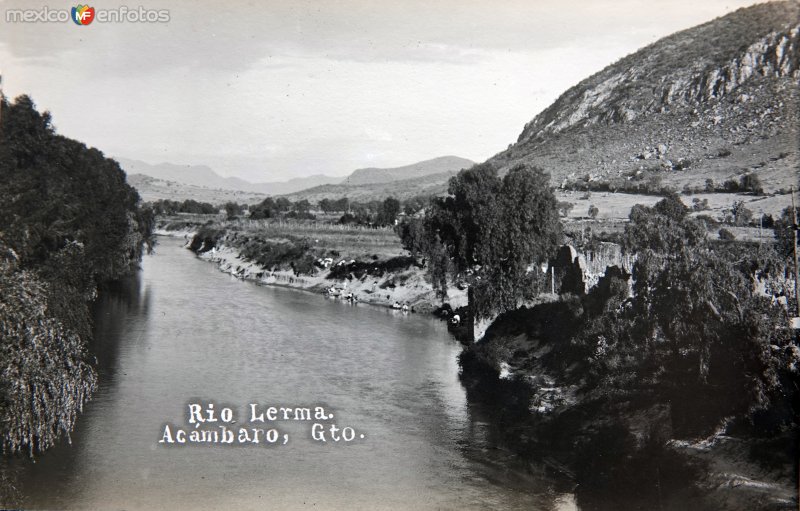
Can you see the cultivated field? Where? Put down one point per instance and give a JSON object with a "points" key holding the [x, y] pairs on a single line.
{"points": [[351, 241], [617, 206]]}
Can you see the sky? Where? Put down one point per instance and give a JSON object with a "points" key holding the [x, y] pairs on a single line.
{"points": [[272, 90]]}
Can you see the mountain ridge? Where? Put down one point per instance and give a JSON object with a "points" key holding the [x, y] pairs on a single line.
{"points": [[373, 175], [430, 184], [205, 177], [725, 87]]}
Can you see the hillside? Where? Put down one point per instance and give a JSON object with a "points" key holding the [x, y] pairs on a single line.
{"points": [[424, 168], [201, 176], [433, 184], [153, 189], [179, 182], [715, 101]]}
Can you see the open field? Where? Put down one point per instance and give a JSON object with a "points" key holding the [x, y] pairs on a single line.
{"points": [[151, 189], [350, 241], [617, 206]]}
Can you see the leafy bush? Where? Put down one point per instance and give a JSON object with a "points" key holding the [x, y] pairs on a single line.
{"points": [[205, 239], [726, 235], [700, 205], [751, 183]]}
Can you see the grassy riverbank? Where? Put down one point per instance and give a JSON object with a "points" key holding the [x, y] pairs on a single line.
{"points": [[313, 256]]}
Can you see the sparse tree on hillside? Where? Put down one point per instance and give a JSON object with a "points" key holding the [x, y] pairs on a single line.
{"points": [[740, 214], [700, 205], [751, 183]]}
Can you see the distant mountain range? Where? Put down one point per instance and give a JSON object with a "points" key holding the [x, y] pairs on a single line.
{"points": [[713, 102], [204, 177], [371, 175]]}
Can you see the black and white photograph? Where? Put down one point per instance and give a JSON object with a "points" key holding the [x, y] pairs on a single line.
{"points": [[417, 255]]}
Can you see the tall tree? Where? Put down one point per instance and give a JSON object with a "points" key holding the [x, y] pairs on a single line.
{"points": [[388, 211], [494, 232]]}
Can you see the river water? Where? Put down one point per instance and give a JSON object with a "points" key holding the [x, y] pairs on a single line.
{"points": [[182, 332]]}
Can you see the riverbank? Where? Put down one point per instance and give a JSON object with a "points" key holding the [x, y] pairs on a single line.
{"points": [[371, 266], [189, 332], [613, 432]]}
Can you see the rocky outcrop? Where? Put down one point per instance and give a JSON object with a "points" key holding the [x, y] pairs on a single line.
{"points": [[725, 87], [571, 271], [665, 75], [578, 272]]}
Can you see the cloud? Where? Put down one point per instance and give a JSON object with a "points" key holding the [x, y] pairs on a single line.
{"points": [[278, 89], [234, 35]]}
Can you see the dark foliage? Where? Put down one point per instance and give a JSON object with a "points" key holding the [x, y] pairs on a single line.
{"points": [[683, 345], [68, 222], [358, 269], [171, 207], [488, 232]]}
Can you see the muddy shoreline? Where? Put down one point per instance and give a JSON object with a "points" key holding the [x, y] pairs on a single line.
{"points": [[381, 291]]}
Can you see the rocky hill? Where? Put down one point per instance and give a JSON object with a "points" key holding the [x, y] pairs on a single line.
{"points": [[424, 168], [432, 184], [712, 102], [201, 176], [153, 189]]}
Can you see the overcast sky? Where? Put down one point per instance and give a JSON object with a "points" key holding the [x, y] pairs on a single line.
{"points": [[272, 90]]}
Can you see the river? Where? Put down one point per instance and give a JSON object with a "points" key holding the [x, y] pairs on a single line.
{"points": [[182, 332]]}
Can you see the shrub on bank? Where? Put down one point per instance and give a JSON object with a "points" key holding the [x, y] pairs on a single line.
{"points": [[70, 222], [690, 338]]}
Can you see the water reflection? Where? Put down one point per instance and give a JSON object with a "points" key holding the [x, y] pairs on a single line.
{"points": [[183, 331]]}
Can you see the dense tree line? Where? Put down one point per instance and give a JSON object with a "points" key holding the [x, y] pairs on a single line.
{"points": [[489, 233], [650, 183], [171, 207], [68, 222], [686, 340], [371, 213], [282, 207]]}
